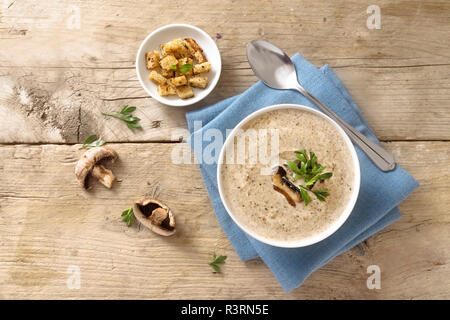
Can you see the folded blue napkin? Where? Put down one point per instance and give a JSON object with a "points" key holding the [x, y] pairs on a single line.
{"points": [[379, 195]]}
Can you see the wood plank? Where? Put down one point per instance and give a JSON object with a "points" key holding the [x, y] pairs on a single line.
{"points": [[58, 80], [47, 223]]}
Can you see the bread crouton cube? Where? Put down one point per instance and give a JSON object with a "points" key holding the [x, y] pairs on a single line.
{"points": [[168, 61], [200, 57], [152, 59], [178, 81], [167, 73], [192, 45], [177, 48], [202, 68], [185, 60], [166, 90], [173, 46], [157, 78], [185, 92], [183, 52], [195, 50], [163, 51], [199, 81], [182, 62]]}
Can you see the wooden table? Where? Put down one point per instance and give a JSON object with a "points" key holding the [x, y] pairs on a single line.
{"points": [[56, 78]]}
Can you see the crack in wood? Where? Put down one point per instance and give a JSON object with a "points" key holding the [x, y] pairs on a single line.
{"points": [[182, 141], [126, 98]]}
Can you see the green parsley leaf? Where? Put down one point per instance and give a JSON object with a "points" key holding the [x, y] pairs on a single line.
{"points": [[90, 139], [304, 166], [215, 267], [317, 169], [305, 196], [294, 167], [326, 175], [322, 176], [220, 260], [92, 142], [185, 68], [321, 194], [302, 152], [126, 115], [313, 159], [127, 109], [174, 67], [128, 216], [217, 260], [132, 126]]}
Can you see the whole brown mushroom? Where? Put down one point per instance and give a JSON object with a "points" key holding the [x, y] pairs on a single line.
{"points": [[155, 215], [90, 164]]}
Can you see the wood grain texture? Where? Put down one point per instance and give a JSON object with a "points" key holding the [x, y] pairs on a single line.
{"points": [[58, 80], [55, 80], [47, 223]]}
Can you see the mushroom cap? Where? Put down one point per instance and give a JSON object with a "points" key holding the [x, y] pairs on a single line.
{"points": [[150, 212], [282, 184], [89, 159]]}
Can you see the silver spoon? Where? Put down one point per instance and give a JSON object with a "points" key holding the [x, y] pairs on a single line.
{"points": [[277, 71]]}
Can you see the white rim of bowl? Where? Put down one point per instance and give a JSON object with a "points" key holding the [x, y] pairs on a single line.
{"points": [[345, 213], [189, 101]]}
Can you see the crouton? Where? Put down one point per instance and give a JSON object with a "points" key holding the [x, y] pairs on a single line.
{"points": [[192, 45], [200, 57], [178, 81], [199, 81], [202, 68], [176, 48], [166, 90], [167, 73], [195, 50], [185, 92], [173, 46], [168, 61], [152, 59], [182, 62], [157, 78], [163, 51], [184, 51]]}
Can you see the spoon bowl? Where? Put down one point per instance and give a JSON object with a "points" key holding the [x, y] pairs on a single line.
{"points": [[271, 65]]}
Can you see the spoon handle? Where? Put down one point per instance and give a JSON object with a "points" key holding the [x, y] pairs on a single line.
{"points": [[379, 156]]}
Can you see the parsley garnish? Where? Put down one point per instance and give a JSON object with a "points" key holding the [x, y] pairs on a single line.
{"points": [[304, 193], [126, 116], [185, 68], [308, 168], [128, 216], [321, 194], [173, 67], [92, 142], [217, 260]]}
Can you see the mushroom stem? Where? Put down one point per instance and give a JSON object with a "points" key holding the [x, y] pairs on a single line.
{"points": [[158, 216], [105, 176]]}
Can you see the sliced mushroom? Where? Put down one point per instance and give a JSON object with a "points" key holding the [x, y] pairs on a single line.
{"points": [[282, 184], [155, 215], [90, 164]]}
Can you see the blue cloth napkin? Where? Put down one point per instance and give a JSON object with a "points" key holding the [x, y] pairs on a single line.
{"points": [[379, 195]]}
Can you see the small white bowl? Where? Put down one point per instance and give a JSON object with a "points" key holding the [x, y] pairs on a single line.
{"points": [[345, 213], [166, 34]]}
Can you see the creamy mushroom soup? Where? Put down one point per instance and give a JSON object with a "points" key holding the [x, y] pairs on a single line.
{"points": [[252, 198]]}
